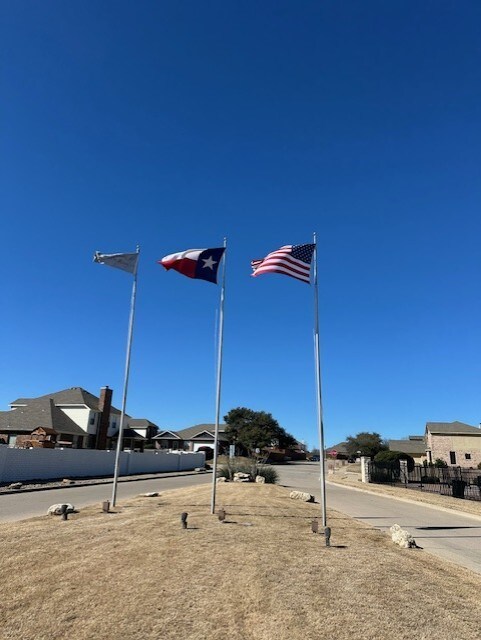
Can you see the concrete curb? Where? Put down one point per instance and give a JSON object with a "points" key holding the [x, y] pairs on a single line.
{"points": [[418, 502], [92, 483]]}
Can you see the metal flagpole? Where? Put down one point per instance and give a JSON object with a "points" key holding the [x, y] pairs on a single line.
{"points": [[219, 382], [126, 384], [317, 355]]}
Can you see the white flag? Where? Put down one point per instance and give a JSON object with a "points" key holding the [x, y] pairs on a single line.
{"points": [[124, 261]]}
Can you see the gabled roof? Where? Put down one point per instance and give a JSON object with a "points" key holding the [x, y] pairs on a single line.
{"points": [[141, 423], [340, 448], [456, 428], [166, 434], [198, 431], [408, 446], [72, 396], [40, 412]]}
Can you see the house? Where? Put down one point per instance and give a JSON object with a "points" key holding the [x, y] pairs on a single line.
{"points": [[192, 438], [76, 418], [456, 443], [412, 445], [338, 451]]}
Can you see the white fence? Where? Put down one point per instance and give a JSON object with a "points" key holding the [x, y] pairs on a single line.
{"points": [[47, 464]]}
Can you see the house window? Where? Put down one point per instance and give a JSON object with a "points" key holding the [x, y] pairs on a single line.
{"points": [[467, 456], [114, 424], [452, 457], [92, 420]]}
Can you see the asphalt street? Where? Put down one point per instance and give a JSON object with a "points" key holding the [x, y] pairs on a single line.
{"points": [[449, 535], [18, 506]]}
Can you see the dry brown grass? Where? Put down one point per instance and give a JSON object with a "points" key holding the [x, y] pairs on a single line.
{"points": [[136, 575]]}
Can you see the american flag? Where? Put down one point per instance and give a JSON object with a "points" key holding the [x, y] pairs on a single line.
{"points": [[291, 260]]}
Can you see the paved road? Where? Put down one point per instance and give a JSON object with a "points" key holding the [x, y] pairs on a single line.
{"points": [[451, 536], [18, 506]]}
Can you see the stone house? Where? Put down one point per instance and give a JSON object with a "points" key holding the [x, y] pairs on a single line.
{"points": [[456, 443]]}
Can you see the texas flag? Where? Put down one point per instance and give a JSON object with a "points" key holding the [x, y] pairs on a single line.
{"points": [[195, 263]]}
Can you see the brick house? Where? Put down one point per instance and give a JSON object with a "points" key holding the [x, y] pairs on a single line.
{"points": [[76, 417], [456, 443]]}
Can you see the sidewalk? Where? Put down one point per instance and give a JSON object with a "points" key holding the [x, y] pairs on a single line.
{"points": [[353, 480]]}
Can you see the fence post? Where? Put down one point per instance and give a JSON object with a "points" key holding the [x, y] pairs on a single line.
{"points": [[403, 469], [364, 469]]}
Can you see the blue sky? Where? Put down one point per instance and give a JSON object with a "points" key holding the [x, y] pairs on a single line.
{"points": [[172, 124]]}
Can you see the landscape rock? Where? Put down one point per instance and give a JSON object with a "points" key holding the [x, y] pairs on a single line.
{"points": [[402, 537], [68, 481], [260, 480], [15, 485], [301, 495], [222, 479], [241, 477], [56, 509], [199, 469], [150, 494]]}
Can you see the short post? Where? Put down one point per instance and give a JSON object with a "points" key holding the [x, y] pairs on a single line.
{"points": [[364, 469], [106, 506], [63, 512], [183, 519], [403, 471], [327, 534], [221, 514], [314, 526]]}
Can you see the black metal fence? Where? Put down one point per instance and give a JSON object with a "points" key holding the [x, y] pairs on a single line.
{"points": [[448, 481]]}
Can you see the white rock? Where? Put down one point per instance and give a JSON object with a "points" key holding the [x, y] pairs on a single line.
{"points": [[15, 485], [242, 475], [151, 494], [56, 509], [222, 479], [301, 495], [199, 469], [260, 480], [402, 537]]}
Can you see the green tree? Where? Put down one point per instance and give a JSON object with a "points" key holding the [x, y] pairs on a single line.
{"points": [[367, 443], [255, 430]]}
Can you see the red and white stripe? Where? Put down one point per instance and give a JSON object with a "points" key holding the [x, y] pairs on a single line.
{"points": [[184, 261], [281, 261]]}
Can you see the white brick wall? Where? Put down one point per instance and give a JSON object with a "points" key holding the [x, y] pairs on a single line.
{"points": [[44, 464]]}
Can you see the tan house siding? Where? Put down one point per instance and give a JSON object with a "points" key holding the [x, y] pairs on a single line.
{"points": [[441, 446]]}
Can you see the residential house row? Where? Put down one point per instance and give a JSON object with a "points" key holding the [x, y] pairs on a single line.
{"points": [[456, 443]]}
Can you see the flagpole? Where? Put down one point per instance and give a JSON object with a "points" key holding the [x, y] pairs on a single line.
{"points": [[317, 355], [219, 383], [126, 384]]}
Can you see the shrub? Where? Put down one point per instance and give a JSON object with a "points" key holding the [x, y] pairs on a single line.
{"points": [[251, 467], [269, 473], [440, 463], [393, 458], [429, 480]]}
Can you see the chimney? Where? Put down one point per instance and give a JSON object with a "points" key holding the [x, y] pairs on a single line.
{"points": [[105, 402]]}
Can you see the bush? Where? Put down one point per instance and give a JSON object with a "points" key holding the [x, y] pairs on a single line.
{"points": [[269, 473], [440, 463], [251, 467], [393, 458]]}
